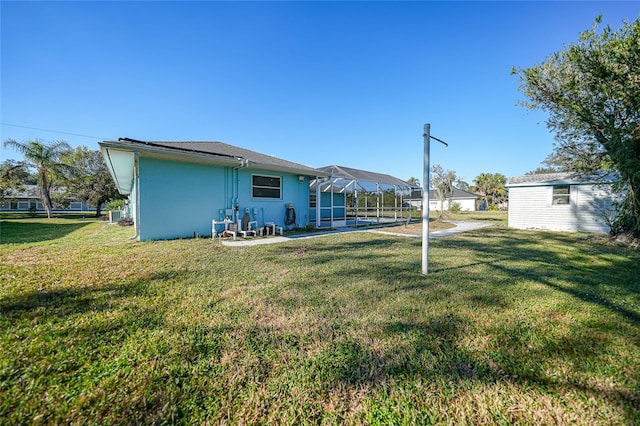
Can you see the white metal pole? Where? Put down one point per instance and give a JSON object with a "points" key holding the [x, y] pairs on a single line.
{"points": [[425, 201]]}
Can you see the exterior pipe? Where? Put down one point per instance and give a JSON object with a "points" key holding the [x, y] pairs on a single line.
{"points": [[136, 185]]}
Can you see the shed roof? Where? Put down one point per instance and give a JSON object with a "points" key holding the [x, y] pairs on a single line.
{"points": [[363, 175], [571, 178]]}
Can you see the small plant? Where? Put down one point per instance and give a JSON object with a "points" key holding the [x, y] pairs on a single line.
{"points": [[126, 221], [33, 210], [309, 228], [455, 207], [115, 205]]}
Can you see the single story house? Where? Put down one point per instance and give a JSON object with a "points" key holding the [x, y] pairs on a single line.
{"points": [[465, 199], [176, 189], [28, 198], [573, 202]]}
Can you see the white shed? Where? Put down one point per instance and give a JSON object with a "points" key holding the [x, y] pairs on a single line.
{"points": [[571, 202]]}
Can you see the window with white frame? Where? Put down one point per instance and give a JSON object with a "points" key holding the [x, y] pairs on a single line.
{"points": [[263, 186], [561, 195]]}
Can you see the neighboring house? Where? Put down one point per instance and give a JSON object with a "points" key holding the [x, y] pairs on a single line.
{"points": [[176, 189], [561, 202], [467, 200], [28, 198]]}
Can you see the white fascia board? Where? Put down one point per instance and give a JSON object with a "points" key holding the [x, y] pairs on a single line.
{"points": [[121, 166]]}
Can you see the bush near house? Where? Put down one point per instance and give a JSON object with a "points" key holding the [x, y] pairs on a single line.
{"points": [[509, 327]]}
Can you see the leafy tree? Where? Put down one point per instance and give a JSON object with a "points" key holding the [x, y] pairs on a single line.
{"points": [[545, 170], [90, 180], [442, 181], [45, 158], [461, 184], [13, 174], [591, 90], [491, 187], [575, 155]]}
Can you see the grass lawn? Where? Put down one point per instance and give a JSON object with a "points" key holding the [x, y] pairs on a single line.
{"points": [[510, 327]]}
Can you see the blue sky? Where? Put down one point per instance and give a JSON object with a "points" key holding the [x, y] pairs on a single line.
{"points": [[318, 83]]}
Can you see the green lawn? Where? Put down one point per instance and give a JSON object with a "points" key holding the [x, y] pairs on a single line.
{"points": [[509, 327]]}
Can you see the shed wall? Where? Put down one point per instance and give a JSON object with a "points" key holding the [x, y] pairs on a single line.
{"points": [[531, 208]]}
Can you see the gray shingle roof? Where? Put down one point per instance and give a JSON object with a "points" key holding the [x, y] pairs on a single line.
{"points": [[416, 193], [221, 150], [545, 179], [30, 192]]}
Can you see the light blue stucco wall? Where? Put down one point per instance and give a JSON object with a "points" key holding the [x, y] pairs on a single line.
{"points": [[262, 210], [180, 198]]}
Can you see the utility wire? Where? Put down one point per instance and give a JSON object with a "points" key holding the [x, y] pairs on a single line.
{"points": [[54, 131]]}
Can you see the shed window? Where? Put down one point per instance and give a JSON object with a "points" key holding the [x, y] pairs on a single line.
{"points": [[266, 186], [561, 194]]}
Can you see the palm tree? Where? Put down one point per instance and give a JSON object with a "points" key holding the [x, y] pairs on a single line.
{"points": [[46, 158], [492, 187]]}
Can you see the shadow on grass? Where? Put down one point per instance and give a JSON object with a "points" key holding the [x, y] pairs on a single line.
{"points": [[12, 232], [490, 262]]}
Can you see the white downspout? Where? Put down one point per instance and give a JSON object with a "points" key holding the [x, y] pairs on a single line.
{"points": [[318, 193], [136, 188]]}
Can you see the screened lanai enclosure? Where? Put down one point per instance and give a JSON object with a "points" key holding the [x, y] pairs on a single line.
{"points": [[352, 197]]}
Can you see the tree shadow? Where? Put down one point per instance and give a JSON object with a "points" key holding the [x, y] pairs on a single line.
{"points": [[12, 232], [431, 349]]}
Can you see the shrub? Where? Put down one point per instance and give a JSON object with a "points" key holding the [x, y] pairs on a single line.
{"points": [[126, 221], [455, 207], [115, 205]]}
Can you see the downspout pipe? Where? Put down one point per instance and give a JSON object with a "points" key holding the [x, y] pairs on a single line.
{"points": [[136, 188], [244, 163]]}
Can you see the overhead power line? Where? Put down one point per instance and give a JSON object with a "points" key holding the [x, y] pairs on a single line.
{"points": [[55, 131]]}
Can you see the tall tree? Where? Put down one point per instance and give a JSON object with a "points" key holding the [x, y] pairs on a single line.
{"points": [[591, 90], [442, 181], [492, 187], [46, 159], [90, 180], [13, 174]]}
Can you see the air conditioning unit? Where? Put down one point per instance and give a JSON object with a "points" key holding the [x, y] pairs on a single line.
{"points": [[115, 215]]}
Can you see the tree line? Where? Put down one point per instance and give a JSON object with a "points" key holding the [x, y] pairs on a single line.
{"points": [[80, 173]]}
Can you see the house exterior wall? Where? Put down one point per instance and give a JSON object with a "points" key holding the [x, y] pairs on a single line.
{"points": [[24, 204], [466, 204], [294, 191], [178, 199], [531, 207]]}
